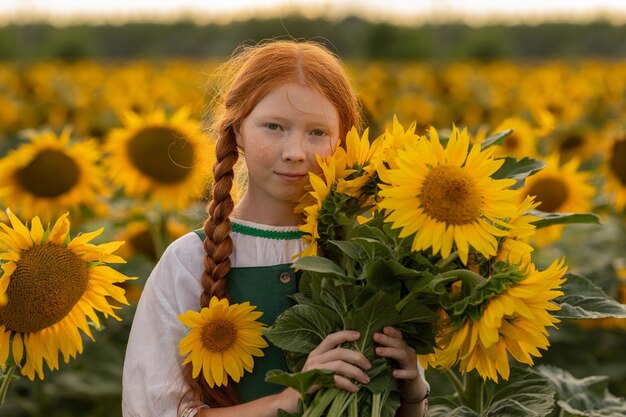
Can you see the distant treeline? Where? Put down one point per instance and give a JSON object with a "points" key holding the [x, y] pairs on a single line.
{"points": [[351, 38]]}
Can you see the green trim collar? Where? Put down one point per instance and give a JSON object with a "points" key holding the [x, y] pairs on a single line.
{"points": [[268, 234]]}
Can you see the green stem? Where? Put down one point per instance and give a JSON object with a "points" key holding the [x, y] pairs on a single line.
{"points": [[467, 276], [400, 304], [474, 385], [376, 406], [445, 262], [340, 403], [157, 222], [5, 384], [321, 402], [353, 409], [456, 383]]}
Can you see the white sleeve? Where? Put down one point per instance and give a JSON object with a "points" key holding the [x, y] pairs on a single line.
{"points": [[152, 383]]}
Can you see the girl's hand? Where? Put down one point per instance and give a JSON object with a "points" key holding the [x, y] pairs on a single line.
{"points": [[411, 386], [347, 364]]}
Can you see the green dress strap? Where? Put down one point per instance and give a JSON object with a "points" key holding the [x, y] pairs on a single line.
{"points": [[268, 288]]}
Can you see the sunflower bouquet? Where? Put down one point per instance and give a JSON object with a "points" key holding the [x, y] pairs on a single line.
{"points": [[426, 233]]}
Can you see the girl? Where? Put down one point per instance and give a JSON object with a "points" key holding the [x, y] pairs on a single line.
{"points": [[286, 102]]}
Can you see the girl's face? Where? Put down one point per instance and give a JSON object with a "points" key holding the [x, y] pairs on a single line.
{"points": [[280, 139]]}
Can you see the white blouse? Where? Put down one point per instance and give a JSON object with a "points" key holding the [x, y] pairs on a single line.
{"points": [[152, 382]]}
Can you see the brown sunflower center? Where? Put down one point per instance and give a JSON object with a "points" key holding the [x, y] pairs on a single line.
{"points": [[555, 108], [142, 242], [162, 154], [512, 143], [617, 161], [451, 195], [551, 193], [219, 335], [47, 282], [571, 143], [50, 174]]}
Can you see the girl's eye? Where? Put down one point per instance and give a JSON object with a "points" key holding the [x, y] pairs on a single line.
{"points": [[318, 132], [272, 126]]}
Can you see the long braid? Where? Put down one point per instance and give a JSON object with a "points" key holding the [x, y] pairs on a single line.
{"points": [[218, 246]]}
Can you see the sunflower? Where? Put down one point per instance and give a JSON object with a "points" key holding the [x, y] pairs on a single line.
{"points": [[54, 284], [580, 142], [615, 171], [169, 160], [392, 141], [50, 175], [222, 341], [446, 196], [513, 249], [320, 189], [356, 159], [559, 189], [513, 322], [521, 142]]}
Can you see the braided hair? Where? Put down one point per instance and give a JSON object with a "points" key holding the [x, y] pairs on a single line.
{"points": [[251, 73]]}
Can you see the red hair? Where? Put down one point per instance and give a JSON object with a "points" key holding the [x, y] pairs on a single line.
{"points": [[252, 72]]}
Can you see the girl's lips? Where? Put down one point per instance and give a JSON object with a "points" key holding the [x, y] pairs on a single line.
{"points": [[291, 177]]}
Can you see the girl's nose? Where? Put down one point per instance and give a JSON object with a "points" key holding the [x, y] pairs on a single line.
{"points": [[294, 148]]}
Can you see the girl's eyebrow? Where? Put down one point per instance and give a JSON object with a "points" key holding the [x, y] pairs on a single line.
{"points": [[320, 120], [272, 116]]}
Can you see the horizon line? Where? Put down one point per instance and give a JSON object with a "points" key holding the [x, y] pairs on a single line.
{"points": [[615, 17]]}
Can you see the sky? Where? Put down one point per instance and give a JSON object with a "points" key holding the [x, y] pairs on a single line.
{"points": [[398, 11]]}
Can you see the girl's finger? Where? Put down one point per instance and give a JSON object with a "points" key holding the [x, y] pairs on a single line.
{"points": [[335, 339], [401, 355], [393, 332], [346, 370], [345, 384], [390, 341], [405, 373], [346, 355]]}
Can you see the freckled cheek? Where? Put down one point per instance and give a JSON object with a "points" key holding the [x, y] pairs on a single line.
{"points": [[265, 151], [322, 149]]}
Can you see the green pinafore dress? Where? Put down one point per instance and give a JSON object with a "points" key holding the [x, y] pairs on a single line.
{"points": [[268, 288]]}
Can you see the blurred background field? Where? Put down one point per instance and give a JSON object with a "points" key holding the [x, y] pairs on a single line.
{"points": [[561, 85]]}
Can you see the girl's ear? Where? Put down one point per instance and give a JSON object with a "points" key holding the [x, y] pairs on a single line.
{"points": [[238, 136]]}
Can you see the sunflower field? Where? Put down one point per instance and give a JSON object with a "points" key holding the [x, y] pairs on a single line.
{"points": [[103, 164]]}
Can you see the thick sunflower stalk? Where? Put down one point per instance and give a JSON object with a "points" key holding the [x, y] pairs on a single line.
{"points": [[426, 234]]}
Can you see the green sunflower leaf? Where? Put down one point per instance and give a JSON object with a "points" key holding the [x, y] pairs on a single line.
{"points": [[497, 138], [414, 311], [302, 381], [318, 264], [588, 396], [351, 248], [386, 275], [440, 410], [518, 169], [373, 248], [585, 300], [301, 328], [525, 394], [548, 219], [377, 312], [338, 297], [368, 230]]}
